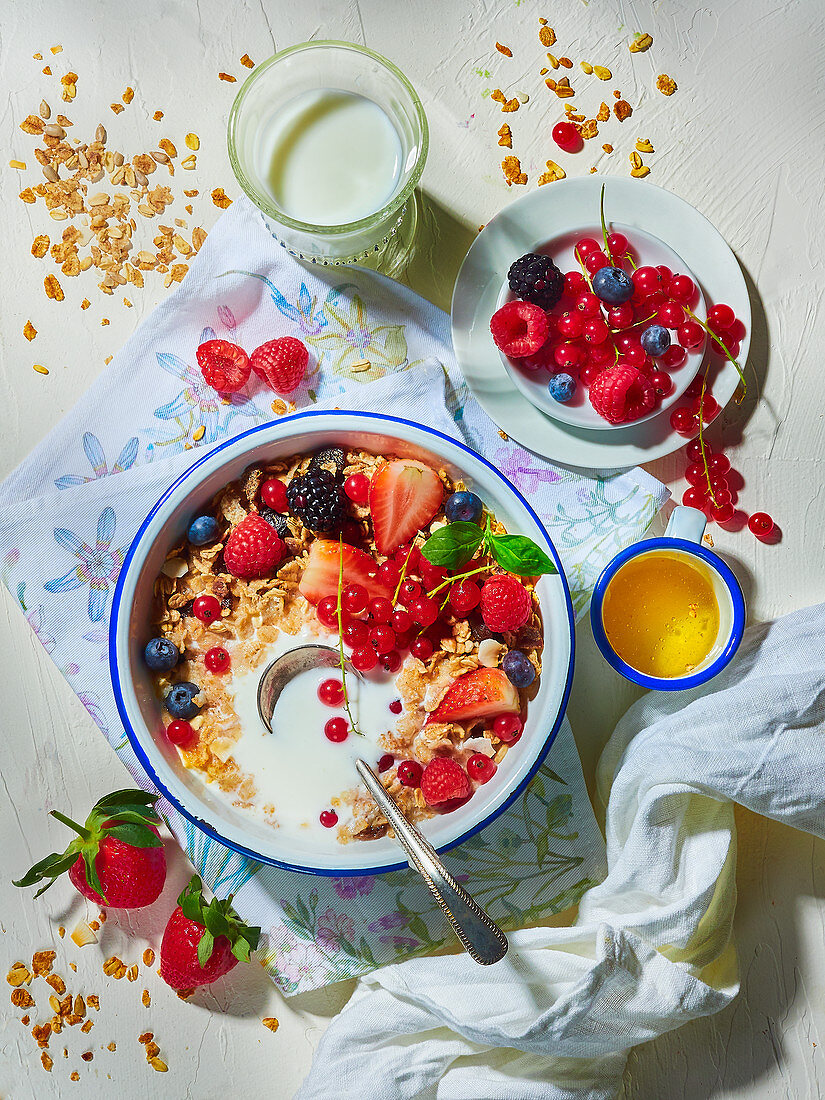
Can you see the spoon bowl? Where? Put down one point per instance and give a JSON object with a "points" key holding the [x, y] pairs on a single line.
{"points": [[279, 672]]}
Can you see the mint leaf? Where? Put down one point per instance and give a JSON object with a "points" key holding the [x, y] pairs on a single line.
{"points": [[453, 545], [520, 555]]}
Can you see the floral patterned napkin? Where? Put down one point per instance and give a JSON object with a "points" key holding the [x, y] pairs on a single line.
{"points": [[70, 510]]}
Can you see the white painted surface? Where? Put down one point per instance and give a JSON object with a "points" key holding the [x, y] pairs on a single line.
{"points": [[742, 139]]}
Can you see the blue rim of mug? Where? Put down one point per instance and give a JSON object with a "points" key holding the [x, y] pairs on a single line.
{"points": [[657, 683]]}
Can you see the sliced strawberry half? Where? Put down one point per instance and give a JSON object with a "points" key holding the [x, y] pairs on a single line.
{"points": [[320, 577], [483, 693], [404, 497]]}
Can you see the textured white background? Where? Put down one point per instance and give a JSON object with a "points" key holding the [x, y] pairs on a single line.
{"points": [[742, 139]]}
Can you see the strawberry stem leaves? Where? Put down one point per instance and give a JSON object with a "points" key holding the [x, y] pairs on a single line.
{"points": [[217, 918]]}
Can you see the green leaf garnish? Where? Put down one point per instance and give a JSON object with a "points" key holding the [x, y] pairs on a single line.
{"points": [[217, 918], [453, 546], [520, 555]]}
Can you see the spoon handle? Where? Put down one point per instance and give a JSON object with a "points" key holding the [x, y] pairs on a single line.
{"points": [[480, 936]]}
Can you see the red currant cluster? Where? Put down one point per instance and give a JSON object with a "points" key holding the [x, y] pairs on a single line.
{"points": [[722, 323], [712, 488], [588, 335]]}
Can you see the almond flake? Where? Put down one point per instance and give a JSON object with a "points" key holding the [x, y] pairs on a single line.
{"points": [[83, 934], [644, 146]]}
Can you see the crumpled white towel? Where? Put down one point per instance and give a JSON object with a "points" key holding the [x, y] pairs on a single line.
{"points": [[651, 948]]}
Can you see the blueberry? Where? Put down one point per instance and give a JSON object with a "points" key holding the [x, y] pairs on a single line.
{"points": [[160, 654], [613, 285], [202, 530], [180, 702], [463, 506], [562, 387], [518, 668], [655, 340]]}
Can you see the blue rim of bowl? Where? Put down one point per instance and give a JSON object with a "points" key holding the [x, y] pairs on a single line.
{"points": [[134, 741], [657, 683]]}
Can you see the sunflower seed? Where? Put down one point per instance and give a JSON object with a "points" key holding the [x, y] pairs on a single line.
{"points": [[100, 134], [45, 109]]}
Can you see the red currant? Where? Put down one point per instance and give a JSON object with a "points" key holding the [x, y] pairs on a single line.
{"points": [[409, 773], [331, 692], [328, 818], [422, 648], [760, 524], [673, 357], [389, 573], [336, 729], [670, 314], [710, 407], [382, 639], [356, 634], [587, 245], [409, 555], [216, 659], [625, 340], [409, 591], [570, 325], [589, 373], [694, 497], [364, 659], [683, 421], [273, 494], [635, 355], [480, 768], [721, 318], [620, 316], [665, 275], [357, 488], [569, 355], [574, 283], [691, 335], [327, 612], [662, 382], [396, 706], [588, 304], [381, 610], [464, 596], [355, 599], [694, 450], [695, 474], [694, 389], [567, 137], [596, 260], [601, 354], [721, 496], [424, 611], [207, 609], [507, 728], [617, 244], [391, 662], [181, 733], [595, 331], [718, 464], [401, 620], [646, 280], [723, 513], [386, 762], [402, 640], [431, 575], [681, 288]]}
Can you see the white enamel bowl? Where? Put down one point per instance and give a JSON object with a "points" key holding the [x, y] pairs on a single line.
{"points": [[319, 852]]}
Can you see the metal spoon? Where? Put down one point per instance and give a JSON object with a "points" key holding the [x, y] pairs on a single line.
{"points": [[480, 936]]}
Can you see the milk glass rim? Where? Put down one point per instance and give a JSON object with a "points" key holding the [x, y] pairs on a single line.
{"points": [[728, 579], [265, 203]]}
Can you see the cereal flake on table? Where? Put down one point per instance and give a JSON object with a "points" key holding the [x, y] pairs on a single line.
{"points": [[666, 84]]}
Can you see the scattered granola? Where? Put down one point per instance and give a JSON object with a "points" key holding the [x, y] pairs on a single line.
{"points": [[504, 49], [622, 109], [247, 62], [666, 84], [554, 172], [29, 331], [547, 36], [220, 198], [602, 73], [644, 146], [229, 79], [270, 1022], [640, 43], [511, 167], [505, 136]]}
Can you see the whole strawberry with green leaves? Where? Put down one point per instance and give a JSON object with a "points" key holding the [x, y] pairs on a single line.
{"points": [[117, 858], [203, 940]]}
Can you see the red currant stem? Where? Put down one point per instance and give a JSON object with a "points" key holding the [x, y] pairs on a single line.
{"points": [[403, 574], [629, 259], [341, 658], [458, 577], [635, 324], [585, 272], [702, 447], [608, 253], [721, 343]]}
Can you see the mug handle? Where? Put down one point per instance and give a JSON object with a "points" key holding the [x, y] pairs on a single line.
{"points": [[686, 523]]}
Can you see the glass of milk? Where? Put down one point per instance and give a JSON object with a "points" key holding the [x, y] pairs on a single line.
{"points": [[329, 139]]}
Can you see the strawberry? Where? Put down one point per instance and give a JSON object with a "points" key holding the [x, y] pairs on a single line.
{"points": [[281, 363], [117, 858], [224, 366], [253, 549], [203, 940], [482, 693], [444, 780], [505, 603], [404, 497], [320, 577]]}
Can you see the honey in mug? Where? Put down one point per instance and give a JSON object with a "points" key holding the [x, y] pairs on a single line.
{"points": [[661, 615]]}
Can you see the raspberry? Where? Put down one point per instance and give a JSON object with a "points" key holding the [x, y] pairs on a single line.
{"points": [[253, 549], [621, 394], [224, 366], [535, 278], [505, 603], [317, 500], [281, 363], [518, 328], [444, 780]]}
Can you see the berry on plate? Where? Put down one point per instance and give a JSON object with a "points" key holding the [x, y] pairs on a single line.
{"points": [[518, 668], [203, 940], [655, 340], [463, 506], [444, 780], [224, 366], [180, 700], [203, 530], [253, 549], [317, 499], [535, 278], [320, 577], [161, 654], [404, 497], [505, 603], [612, 285], [482, 693], [519, 328], [562, 387], [281, 363], [621, 394], [117, 859]]}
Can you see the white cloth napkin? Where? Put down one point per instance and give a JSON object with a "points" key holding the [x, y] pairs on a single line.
{"points": [[652, 945]]}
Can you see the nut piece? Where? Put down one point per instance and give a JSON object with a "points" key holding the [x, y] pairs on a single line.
{"points": [[666, 84], [622, 109], [18, 974], [635, 160], [644, 146], [586, 67], [640, 173], [640, 43], [45, 109], [602, 73], [489, 652], [504, 49], [83, 934], [554, 172], [192, 142]]}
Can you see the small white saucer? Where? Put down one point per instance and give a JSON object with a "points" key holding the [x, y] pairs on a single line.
{"points": [[548, 213]]}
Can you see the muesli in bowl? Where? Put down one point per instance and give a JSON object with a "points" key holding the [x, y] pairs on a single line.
{"points": [[403, 570]]}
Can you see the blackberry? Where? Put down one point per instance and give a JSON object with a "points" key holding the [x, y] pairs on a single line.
{"points": [[535, 278], [277, 520], [332, 459], [317, 500]]}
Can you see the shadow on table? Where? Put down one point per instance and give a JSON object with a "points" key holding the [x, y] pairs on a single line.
{"points": [[779, 869], [441, 243]]}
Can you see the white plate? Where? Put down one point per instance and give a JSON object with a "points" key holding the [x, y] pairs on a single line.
{"points": [[648, 251], [542, 215]]}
